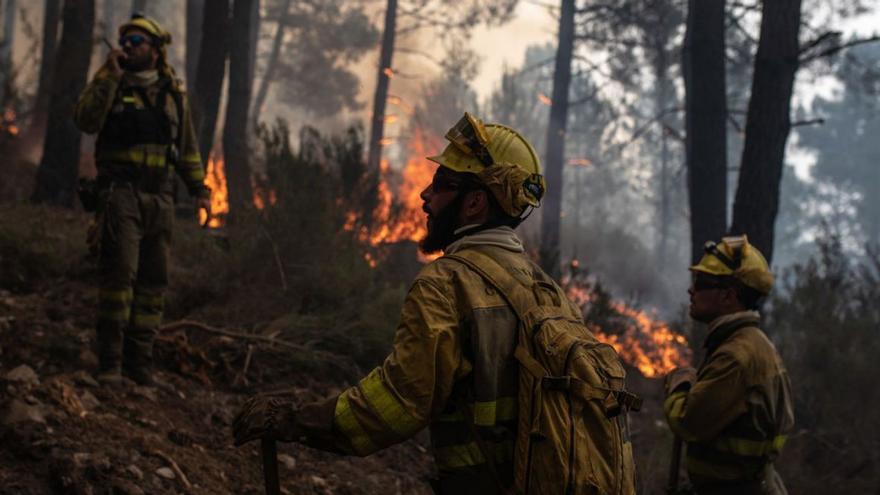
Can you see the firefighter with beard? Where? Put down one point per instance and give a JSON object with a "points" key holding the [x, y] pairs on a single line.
{"points": [[451, 366], [140, 112], [735, 411]]}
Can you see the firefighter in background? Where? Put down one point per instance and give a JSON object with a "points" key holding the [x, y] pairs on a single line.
{"points": [[140, 112], [454, 366], [735, 411]]}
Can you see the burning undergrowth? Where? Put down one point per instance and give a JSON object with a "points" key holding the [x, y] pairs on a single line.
{"points": [[642, 340]]}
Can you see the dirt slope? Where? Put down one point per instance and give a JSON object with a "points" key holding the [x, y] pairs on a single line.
{"points": [[61, 433]]}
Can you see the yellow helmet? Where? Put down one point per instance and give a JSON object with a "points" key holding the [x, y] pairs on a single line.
{"points": [[735, 257], [148, 25], [500, 157]]}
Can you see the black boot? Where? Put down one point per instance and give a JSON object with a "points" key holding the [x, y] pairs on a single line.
{"points": [[137, 362], [109, 349]]}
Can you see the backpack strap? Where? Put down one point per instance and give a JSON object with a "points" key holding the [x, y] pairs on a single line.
{"points": [[520, 299]]}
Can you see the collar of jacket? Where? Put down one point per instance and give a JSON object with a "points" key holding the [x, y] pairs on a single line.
{"points": [[143, 78], [721, 328], [503, 237]]}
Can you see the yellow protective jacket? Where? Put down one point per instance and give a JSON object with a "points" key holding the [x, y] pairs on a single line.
{"points": [[736, 415], [135, 155], [454, 346]]}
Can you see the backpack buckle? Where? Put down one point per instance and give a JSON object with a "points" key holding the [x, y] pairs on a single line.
{"points": [[556, 382]]}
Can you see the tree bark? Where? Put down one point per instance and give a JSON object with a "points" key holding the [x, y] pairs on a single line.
{"points": [[235, 142], [556, 142], [271, 64], [706, 120], [139, 6], [47, 65], [59, 166], [6, 49], [109, 19], [210, 72], [768, 124], [661, 102], [194, 11], [377, 123]]}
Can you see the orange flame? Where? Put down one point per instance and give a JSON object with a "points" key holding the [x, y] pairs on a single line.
{"points": [[398, 215], [580, 162], [388, 72], [544, 99], [215, 178], [646, 343], [7, 122]]}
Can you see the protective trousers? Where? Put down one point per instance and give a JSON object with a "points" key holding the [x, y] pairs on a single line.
{"points": [[135, 237]]}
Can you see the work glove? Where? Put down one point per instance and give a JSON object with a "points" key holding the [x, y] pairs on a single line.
{"points": [[265, 417], [680, 379]]}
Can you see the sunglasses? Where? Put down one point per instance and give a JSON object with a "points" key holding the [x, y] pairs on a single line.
{"points": [[134, 40], [701, 283], [443, 184]]}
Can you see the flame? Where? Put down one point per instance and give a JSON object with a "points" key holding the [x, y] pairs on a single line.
{"points": [[215, 178], [398, 215], [646, 343], [390, 119], [386, 141], [544, 99], [388, 72], [7, 122], [580, 162], [263, 194]]}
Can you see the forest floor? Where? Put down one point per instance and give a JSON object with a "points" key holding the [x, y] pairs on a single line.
{"points": [[60, 432]]}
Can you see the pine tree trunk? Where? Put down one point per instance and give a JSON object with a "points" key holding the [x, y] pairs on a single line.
{"points": [[271, 65], [109, 19], [210, 72], [550, 238], [6, 49], [377, 123], [194, 12], [47, 64], [235, 136], [59, 166], [706, 120], [661, 102], [768, 124], [139, 6]]}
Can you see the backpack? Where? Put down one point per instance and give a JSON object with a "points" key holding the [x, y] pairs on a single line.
{"points": [[572, 436]]}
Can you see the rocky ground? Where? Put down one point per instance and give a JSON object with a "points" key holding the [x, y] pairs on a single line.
{"points": [[62, 433]]}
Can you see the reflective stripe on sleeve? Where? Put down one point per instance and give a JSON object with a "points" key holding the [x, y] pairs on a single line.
{"points": [[350, 427], [388, 406]]}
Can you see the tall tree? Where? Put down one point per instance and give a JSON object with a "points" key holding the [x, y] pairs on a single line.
{"points": [[449, 23], [272, 63], [235, 136], [6, 49], [138, 6], [210, 72], [52, 10], [556, 129], [706, 121], [59, 166], [194, 11], [380, 98], [108, 18], [768, 123]]}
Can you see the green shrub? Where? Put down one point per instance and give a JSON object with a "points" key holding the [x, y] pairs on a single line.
{"points": [[38, 243], [825, 320]]}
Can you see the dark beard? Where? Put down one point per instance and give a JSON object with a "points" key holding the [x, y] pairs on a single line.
{"points": [[136, 65], [441, 229]]}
